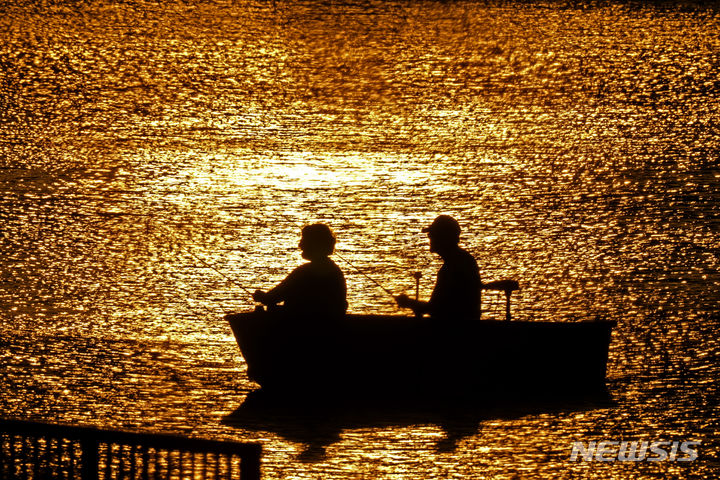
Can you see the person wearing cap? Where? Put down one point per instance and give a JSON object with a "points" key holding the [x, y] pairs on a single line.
{"points": [[314, 289], [456, 296]]}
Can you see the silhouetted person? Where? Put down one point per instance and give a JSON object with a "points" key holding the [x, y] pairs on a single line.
{"points": [[316, 288], [456, 295]]}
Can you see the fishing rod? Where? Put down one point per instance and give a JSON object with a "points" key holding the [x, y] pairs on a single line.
{"points": [[204, 262], [209, 266], [188, 305], [149, 216], [365, 275]]}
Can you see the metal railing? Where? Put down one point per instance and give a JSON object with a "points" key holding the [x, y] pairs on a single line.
{"points": [[35, 451]]}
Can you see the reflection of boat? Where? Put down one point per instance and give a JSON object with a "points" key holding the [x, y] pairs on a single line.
{"points": [[388, 356], [318, 423]]}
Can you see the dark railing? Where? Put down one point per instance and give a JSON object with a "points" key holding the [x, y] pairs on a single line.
{"points": [[34, 451]]}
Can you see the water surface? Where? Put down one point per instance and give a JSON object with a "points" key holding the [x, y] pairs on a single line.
{"points": [[157, 158]]}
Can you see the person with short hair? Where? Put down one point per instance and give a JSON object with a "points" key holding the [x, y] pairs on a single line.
{"points": [[456, 296], [316, 288]]}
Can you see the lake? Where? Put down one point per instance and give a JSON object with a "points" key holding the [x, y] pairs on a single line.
{"points": [[157, 161]]}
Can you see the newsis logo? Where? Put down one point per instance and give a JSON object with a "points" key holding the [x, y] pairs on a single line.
{"points": [[634, 451]]}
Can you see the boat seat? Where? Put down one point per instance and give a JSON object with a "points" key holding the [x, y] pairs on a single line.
{"points": [[508, 286]]}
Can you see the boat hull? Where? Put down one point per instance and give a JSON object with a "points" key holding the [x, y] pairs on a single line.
{"points": [[385, 356]]}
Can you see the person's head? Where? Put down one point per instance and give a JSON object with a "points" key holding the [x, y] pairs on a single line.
{"points": [[317, 241], [444, 233]]}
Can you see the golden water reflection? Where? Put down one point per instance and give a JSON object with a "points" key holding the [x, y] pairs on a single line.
{"points": [[144, 148]]}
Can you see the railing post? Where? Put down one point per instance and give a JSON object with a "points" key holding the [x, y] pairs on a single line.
{"points": [[250, 464], [90, 458], [507, 304]]}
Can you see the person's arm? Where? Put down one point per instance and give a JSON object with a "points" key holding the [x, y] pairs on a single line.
{"points": [[278, 293]]}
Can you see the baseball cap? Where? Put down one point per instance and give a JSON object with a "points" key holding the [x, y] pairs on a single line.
{"points": [[444, 225]]}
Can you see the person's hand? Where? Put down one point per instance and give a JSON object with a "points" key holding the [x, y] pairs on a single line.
{"points": [[260, 296], [403, 301]]}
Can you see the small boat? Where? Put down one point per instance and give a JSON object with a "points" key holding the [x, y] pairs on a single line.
{"points": [[393, 356]]}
